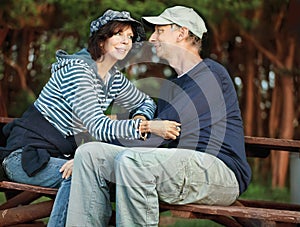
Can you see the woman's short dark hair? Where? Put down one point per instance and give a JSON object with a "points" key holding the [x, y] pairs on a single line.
{"points": [[97, 39]]}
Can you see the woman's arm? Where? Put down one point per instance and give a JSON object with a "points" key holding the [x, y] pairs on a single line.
{"points": [[134, 100], [82, 94]]}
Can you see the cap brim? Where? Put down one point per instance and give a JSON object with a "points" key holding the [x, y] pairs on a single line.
{"points": [[156, 20]]}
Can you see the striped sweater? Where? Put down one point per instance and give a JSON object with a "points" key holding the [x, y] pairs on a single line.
{"points": [[75, 98]]}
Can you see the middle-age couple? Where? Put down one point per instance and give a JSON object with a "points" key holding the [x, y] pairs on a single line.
{"points": [[191, 152]]}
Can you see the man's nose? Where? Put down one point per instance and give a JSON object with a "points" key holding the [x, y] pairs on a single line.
{"points": [[152, 38]]}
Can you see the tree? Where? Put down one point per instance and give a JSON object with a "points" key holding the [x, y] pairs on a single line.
{"points": [[31, 32], [256, 41], [279, 49]]}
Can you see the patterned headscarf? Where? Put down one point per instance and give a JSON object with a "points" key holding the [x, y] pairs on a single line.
{"points": [[111, 15]]}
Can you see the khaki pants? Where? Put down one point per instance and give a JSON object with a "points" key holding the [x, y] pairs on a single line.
{"points": [[143, 176]]}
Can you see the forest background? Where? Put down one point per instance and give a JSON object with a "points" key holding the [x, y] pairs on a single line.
{"points": [[257, 41]]}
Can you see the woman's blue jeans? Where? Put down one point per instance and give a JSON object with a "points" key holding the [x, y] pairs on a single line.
{"points": [[47, 177]]}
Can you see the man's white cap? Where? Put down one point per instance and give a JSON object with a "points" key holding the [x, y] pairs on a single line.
{"points": [[182, 16]]}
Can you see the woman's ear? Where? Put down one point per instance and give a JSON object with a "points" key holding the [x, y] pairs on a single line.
{"points": [[101, 46]]}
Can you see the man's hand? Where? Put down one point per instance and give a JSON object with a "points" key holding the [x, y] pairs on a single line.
{"points": [[166, 129], [67, 169]]}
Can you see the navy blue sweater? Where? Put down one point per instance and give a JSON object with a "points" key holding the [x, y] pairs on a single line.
{"points": [[39, 140], [204, 101]]}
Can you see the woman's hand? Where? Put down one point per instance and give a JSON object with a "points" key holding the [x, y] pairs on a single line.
{"points": [[164, 128], [67, 169]]}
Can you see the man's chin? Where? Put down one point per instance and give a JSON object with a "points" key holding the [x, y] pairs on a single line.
{"points": [[158, 53]]}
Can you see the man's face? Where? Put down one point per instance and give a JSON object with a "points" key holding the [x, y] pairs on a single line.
{"points": [[164, 40]]}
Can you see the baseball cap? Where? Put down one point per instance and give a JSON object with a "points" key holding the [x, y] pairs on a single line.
{"points": [[182, 16], [112, 15]]}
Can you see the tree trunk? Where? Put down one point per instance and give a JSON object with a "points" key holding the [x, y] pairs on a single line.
{"points": [[287, 117], [3, 111], [250, 91], [275, 112]]}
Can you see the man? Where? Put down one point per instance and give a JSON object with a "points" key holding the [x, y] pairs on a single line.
{"points": [[206, 164]]}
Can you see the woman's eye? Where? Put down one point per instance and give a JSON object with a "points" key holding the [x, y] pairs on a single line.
{"points": [[121, 34]]}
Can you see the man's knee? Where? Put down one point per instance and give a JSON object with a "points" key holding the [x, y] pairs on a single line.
{"points": [[124, 159], [85, 151]]}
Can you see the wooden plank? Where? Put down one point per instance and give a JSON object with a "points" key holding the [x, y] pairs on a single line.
{"points": [[239, 211], [32, 224], [6, 120], [27, 187], [22, 198], [27, 213], [270, 204], [273, 143]]}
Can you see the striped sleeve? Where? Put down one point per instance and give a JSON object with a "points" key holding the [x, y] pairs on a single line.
{"points": [[70, 101], [134, 100], [80, 91]]}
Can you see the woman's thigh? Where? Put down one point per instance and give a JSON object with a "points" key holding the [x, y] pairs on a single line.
{"points": [[49, 176]]}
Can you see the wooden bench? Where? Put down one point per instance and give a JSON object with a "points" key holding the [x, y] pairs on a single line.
{"points": [[248, 212], [19, 210]]}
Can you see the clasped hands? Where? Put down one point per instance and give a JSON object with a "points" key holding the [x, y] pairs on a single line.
{"points": [[163, 128]]}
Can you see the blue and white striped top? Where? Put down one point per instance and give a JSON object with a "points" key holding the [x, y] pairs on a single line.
{"points": [[75, 98]]}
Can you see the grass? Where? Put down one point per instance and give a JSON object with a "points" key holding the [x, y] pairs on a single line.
{"points": [[254, 192], [259, 192]]}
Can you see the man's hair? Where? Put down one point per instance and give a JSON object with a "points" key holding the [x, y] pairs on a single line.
{"points": [[96, 41], [195, 41]]}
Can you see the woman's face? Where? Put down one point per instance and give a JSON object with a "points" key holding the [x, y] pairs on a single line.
{"points": [[118, 46]]}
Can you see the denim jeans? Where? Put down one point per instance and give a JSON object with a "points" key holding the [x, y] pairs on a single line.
{"points": [[47, 177], [143, 177]]}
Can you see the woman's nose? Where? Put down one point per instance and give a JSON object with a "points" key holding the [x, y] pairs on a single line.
{"points": [[125, 39]]}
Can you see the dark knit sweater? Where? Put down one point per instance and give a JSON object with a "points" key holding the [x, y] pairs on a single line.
{"points": [[204, 101], [39, 140]]}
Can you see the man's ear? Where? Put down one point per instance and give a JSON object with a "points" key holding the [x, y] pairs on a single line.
{"points": [[183, 33]]}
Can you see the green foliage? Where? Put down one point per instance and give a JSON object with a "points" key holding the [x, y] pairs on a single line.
{"points": [[17, 13], [48, 44], [77, 15], [263, 192], [22, 99], [216, 11]]}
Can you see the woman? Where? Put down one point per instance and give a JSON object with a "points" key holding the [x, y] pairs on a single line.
{"points": [[41, 144]]}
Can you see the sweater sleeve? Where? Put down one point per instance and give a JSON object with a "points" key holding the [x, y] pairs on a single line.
{"points": [[135, 100], [81, 94]]}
